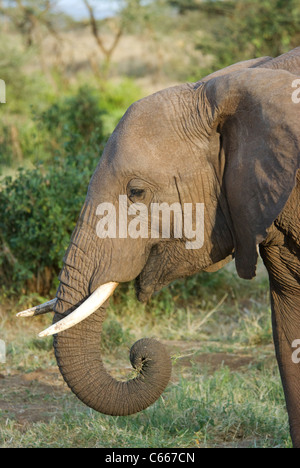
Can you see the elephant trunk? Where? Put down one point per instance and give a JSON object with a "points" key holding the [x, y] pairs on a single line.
{"points": [[77, 351]]}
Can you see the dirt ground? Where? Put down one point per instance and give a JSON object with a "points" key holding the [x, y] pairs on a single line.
{"points": [[38, 396], [29, 398]]}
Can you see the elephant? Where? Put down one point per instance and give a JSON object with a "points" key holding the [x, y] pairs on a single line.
{"points": [[228, 144]]}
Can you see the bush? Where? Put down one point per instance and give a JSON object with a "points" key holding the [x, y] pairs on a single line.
{"points": [[56, 126], [38, 211], [245, 29], [84, 118], [39, 208], [75, 121]]}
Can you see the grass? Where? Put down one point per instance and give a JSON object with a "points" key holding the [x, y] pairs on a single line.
{"points": [[210, 410], [225, 389]]}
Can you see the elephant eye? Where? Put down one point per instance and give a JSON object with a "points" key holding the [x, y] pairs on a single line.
{"points": [[136, 193]]}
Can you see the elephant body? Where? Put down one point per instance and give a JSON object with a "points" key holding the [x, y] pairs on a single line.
{"points": [[281, 255], [230, 142]]}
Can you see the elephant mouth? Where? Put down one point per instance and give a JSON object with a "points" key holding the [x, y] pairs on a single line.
{"points": [[161, 268], [143, 292], [170, 261], [164, 265], [154, 275], [76, 314]]}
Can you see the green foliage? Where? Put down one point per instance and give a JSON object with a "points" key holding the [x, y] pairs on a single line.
{"points": [[19, 90], [23, 93], [38, 213], [114, 100], [78, 114], [40, 206], [248, 28], [57, 125], [76, 122], [81, 118], [114, 335]]}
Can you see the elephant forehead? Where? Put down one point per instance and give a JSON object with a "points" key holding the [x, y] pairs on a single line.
{"points": [[154, 134], [123, 160], [148, 159], [153, 141], [150, 130]]}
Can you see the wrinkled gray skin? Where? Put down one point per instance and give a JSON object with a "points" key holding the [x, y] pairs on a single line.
{"points": [[230, 141]]}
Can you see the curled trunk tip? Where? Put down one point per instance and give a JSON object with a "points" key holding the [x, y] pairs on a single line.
{"points": [[78, 356]]}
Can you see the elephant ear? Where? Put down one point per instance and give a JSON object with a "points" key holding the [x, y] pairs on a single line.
{"points": [[257, 117]]}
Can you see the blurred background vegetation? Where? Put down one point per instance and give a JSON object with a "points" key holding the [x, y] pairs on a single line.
{"points": [[69, 81]]}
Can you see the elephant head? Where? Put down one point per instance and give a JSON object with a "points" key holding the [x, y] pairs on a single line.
{"points": [[223, 153]]}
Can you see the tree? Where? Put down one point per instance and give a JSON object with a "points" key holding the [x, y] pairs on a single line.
{"points": [[136, 17], [213, 6], [106, 50], [29, 16], [242, 29], [33, 20]]}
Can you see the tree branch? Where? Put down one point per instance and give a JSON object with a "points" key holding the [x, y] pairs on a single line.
{"points": [[107, 51]]}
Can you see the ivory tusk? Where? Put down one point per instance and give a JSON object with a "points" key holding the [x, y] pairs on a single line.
{"points": [[83, 311], [38, 310]]}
